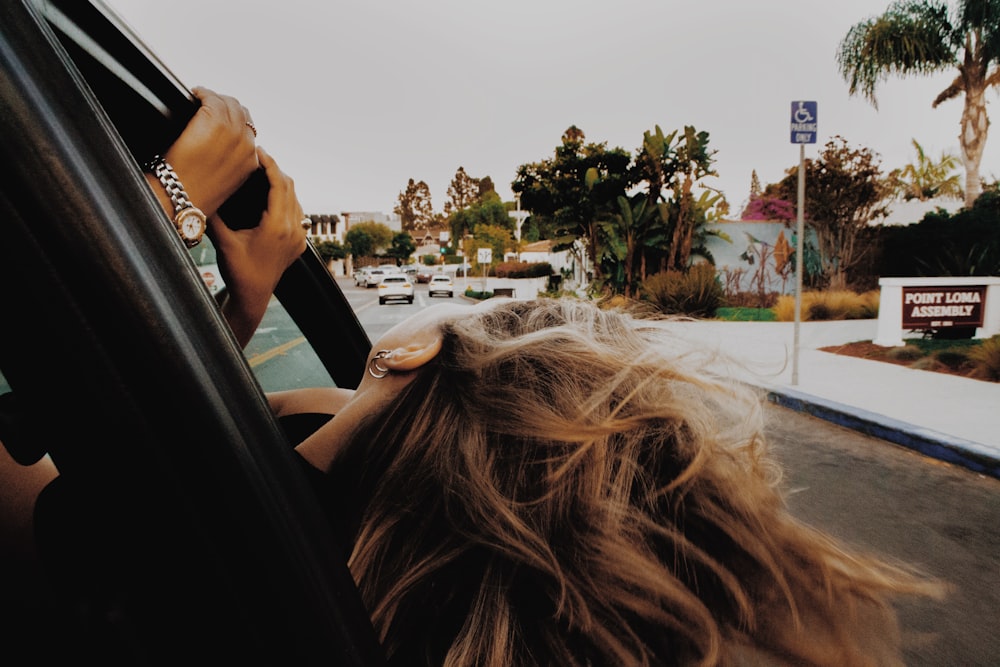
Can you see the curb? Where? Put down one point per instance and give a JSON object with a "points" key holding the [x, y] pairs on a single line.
{"points": [[958, 451]]}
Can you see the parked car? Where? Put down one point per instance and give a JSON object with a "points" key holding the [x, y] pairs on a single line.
{"points": [[181, 527], [395, 286], [441, 284], [360, 276], [425, 273]]}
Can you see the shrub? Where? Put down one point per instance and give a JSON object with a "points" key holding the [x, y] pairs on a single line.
{"points": [[829, 305], [522, 270], [751, 299], [697, 292], [636, 307], [817, 311], [986, 357], [964, 243], [954, 358], [475, 294], [905, 353]]}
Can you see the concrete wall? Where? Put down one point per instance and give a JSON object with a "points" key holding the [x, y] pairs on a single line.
{"points": [[738, 272]]}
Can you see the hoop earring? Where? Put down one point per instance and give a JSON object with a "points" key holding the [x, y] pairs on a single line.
{"points": [[377, 370]]}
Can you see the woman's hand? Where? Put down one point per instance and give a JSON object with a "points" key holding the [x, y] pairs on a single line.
{"points": [[252, 261], [215, 153]]}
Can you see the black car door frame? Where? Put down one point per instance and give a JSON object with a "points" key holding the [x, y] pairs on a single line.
{"points": [[126, 373]]}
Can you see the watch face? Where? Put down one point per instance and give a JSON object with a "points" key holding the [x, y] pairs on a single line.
{"points": [[191, 225]]}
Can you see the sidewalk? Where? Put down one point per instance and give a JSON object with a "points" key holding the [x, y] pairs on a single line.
{"points": [[950, 418]]}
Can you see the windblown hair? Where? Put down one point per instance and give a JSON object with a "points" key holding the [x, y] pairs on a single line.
{"points": [[566, 485]]}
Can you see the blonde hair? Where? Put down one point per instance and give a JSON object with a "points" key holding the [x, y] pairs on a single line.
{"points": [[566, 485]]}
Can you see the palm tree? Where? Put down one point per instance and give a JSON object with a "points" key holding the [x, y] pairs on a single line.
{"points": [[926, 179], [920, 37]]}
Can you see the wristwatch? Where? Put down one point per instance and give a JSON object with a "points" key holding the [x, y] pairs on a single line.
{"points": [[188, 218]]}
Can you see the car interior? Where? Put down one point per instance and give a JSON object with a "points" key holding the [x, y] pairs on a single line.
{"points": [[180, 529]]}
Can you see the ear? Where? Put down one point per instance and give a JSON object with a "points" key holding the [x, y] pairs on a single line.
{"points": [[413, 355]]}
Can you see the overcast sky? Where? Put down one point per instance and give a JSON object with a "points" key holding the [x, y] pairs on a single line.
{"points": [[355, 97]]}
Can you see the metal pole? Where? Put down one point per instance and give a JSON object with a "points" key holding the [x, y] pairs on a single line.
{"points": [[799, 234]]}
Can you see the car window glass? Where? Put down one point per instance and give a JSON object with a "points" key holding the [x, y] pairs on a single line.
{"points": [[279, 354]]}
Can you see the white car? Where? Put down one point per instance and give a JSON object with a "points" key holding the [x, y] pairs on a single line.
{"points": [[440, 284], [373, 277], [395, 286]]}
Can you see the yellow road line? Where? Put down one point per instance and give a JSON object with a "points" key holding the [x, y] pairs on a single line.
{"points": [[258, 359]]}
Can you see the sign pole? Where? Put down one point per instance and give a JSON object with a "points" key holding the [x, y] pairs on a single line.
{"points": [[803, 131], [484, 256], [799, 233]]}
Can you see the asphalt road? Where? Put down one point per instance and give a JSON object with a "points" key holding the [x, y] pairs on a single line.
{"points": [[902, 505], [878, 497]]}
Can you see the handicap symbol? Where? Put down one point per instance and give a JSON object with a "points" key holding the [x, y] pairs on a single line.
{"points": [[802, 114]]}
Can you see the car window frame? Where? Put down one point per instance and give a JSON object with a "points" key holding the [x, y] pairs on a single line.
{"points": [[152, 392]]}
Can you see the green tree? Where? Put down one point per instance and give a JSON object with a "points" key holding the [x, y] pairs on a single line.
{"points": [[489, 211], [638, 224], [845, 192], [754, 185], [694, 162], [486, 186], [920, 37], [564, 208], [496, 237], [414, 207], [926, 179], [671, 165], [330, 250], [365, 239], [655, 163], [462, 192], [401, 246]]}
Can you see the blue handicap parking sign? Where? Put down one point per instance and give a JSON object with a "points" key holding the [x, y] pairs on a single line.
{"points": [[804, 122]]}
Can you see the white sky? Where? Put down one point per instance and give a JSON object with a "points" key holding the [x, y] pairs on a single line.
{"points": [[355, 97]]}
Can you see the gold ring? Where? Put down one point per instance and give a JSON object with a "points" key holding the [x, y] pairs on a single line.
{"points": [[307, 223], [252, 128]]}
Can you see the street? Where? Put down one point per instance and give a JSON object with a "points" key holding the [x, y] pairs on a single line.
{"points": [[900, 504]]}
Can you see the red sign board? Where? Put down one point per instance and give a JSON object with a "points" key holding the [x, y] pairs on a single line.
{"points": [[940, 307]]}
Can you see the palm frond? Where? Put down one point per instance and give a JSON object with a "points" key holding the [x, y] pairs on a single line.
{"points": [[911, 37]]}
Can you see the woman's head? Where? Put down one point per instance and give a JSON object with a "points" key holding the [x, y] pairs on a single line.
{"points": [[568, 485]]}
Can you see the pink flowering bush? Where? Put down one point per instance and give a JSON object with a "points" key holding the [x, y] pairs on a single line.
{"points": [[769, 208]]}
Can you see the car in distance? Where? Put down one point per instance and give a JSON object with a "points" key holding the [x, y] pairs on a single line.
{"points": [[395, 286], [373, 277], [360, 276], [441, 284], [424, 274]]}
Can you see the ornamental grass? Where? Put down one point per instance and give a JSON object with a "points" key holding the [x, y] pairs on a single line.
{"points": [[829, 305]]}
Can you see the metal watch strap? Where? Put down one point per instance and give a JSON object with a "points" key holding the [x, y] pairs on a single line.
{"points": [[168, 178], [184, 210]]}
